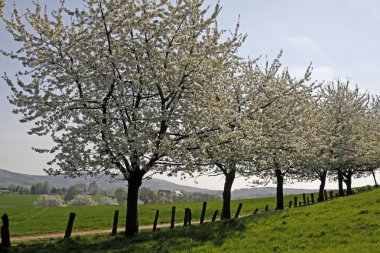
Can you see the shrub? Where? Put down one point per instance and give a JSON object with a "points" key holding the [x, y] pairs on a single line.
{"points": [[48, 200], [82, 200], [108, 201]]}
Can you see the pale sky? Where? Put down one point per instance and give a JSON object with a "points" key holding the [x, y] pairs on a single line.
{"points": [[340, 37]]}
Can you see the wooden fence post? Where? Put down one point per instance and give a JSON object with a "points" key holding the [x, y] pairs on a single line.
{"points": [[238, 210], [325, 193], [300, 203], [308, 201], [70, 224], [173, 217], [115, 222], [155, 220], [214, 215], [203, 214], [304, 199], [186, 218], [295, 202], [312, 198], [255, 212], [290, 204], [266, 208], [5, 238]]}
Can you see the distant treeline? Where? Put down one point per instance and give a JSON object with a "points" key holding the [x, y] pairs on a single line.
{"points": [[146, 195]]}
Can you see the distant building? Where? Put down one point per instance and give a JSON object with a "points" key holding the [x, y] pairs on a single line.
{"points": [[164, 192], [178, 193], [4, 190], [169, 193]]}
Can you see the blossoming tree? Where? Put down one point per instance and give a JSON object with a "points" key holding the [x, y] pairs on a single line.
{"points": [[313, 151], [282, 127], [345, 110], [226, 143], [115, 83]]}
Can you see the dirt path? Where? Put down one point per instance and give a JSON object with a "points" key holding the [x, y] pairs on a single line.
{"points": [[19, 238], [81, 232]]}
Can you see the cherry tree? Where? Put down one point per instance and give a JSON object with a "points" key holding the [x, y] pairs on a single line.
{"points": [[345, 109], [232, 137], [226, 143], [282, 127], [116, 83], [368, 147], [222, 148], [313, 152]]}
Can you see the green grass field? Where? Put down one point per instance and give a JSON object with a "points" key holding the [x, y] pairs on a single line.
{"points": [[17, 200], [25, 219], [350, 225]]}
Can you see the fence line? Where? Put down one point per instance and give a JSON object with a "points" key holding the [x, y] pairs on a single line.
{"points": [[5, 234]]}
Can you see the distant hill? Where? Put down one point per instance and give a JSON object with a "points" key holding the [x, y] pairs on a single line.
{"points": [[261, 192], [106, 183]]}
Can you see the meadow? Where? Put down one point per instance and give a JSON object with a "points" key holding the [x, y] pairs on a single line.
{"points": [[25, 219], [350, 224]]}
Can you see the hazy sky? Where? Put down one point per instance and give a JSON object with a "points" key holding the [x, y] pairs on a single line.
{"points": [[340, 37]]}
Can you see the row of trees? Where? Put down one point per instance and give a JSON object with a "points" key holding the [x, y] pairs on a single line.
{"points": [[134, 88], [146, 195], [21, 189], [45, 188], [41, 188]]}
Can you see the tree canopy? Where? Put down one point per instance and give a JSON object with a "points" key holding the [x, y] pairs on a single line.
{"points": [[117, 85]]}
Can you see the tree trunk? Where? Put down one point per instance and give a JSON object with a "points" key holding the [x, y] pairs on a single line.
{"points": [[374, 178], [340, 183], [348, 183], [131, 224], [280, 190], [226, 211], [322, 178]]}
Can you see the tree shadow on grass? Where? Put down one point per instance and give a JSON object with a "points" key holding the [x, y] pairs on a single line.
{"points": [[178, 239], [186, 238]]}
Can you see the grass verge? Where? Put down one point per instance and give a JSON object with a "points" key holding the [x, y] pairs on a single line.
{"points": [[350, 225]]}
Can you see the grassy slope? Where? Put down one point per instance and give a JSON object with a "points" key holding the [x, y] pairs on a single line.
{"points": [[350, 225], [26, 219]]}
